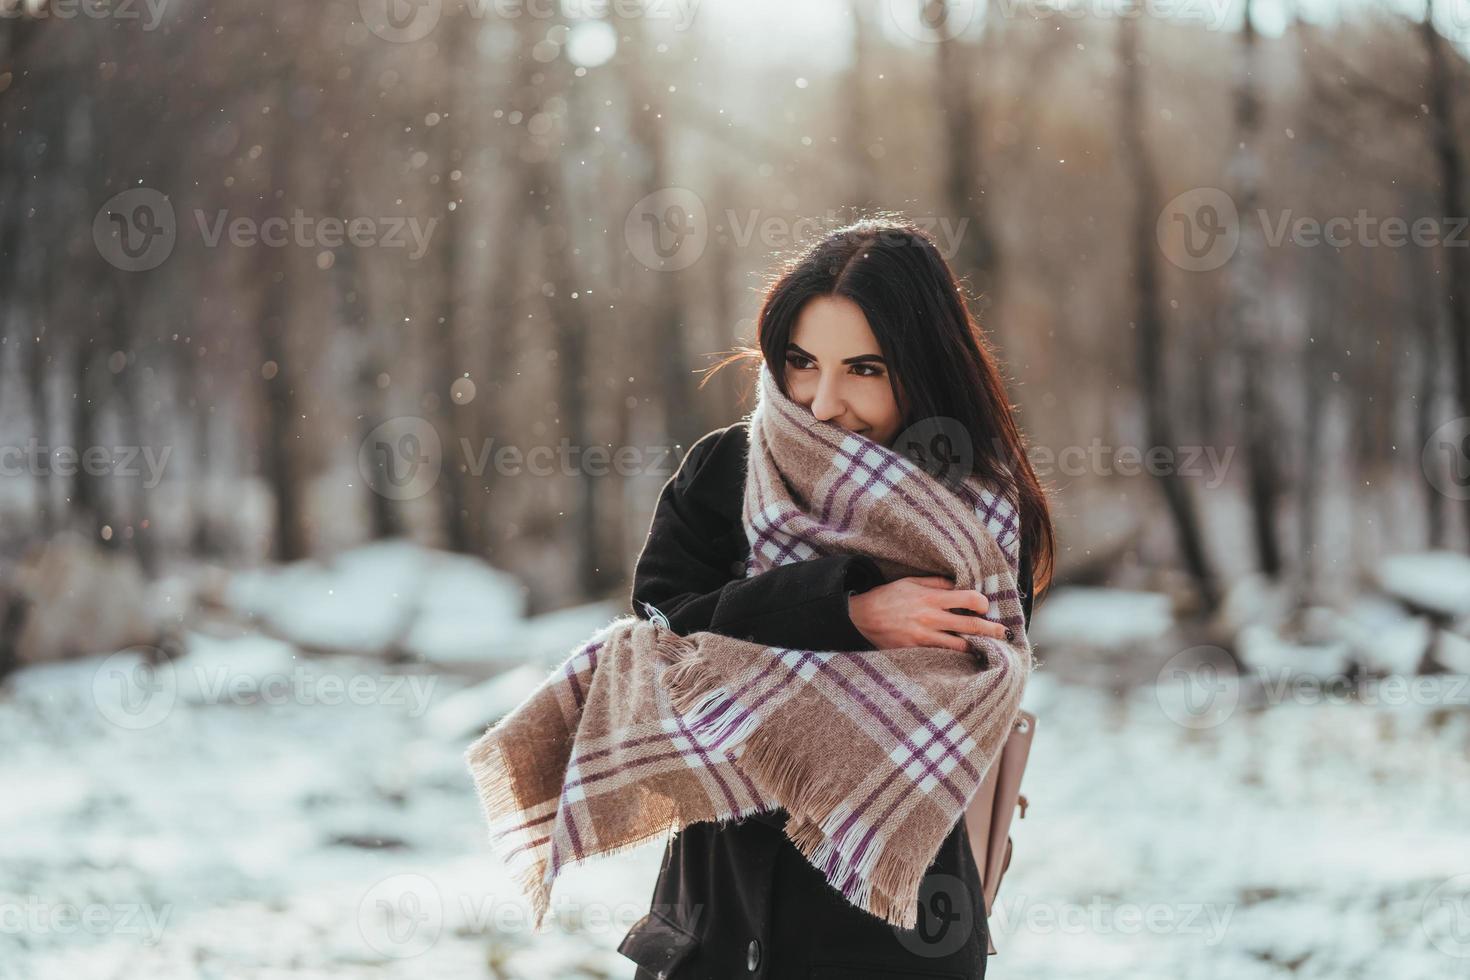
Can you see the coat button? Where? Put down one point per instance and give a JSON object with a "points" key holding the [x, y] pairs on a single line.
{"points": [[737, 568], [753, 955]]}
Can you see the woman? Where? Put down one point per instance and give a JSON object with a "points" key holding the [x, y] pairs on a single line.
{"points": [[870, 331]]}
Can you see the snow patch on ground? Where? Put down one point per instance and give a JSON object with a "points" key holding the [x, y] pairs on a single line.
{"points": [[250, 810]]}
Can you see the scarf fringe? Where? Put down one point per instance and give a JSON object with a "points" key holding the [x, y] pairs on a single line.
{"points": [[879, 882], [496, 791], [713, 717], [529, 869]]}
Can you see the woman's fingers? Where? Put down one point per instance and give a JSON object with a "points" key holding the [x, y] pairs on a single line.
{"points": [[946, 640], [975, 625], [962, 599], [959, 600], [932, 581]]}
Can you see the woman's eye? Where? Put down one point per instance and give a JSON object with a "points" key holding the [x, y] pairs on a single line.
{"points": [[797, 361], [868, 370]]}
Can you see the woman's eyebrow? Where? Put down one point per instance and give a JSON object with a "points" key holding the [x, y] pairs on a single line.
{"points": [[857, 359]]}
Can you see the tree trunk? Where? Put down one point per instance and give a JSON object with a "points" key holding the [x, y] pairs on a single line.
{"points": [[277, 451], [965, 179], [1148, 323], [1263, 428], [1442, 105]]}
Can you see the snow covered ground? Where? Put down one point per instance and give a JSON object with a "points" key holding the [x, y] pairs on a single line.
{"points": [[252, 811]]}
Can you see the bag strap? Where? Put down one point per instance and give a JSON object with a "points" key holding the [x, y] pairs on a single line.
{"points": [[988, 818]]}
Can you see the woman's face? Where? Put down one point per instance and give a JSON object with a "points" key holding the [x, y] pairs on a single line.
{"points": [[835, 368]]}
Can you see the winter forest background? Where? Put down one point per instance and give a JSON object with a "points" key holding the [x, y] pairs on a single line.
{"points": [[345, 346]]}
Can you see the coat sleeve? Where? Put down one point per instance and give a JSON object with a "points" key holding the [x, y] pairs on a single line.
{"points": [[691, 568]]}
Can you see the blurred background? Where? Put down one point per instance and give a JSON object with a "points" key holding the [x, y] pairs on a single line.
{"points": [[345, 347]]}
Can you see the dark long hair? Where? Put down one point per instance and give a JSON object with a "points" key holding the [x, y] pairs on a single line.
{"points": [[941, 365]]}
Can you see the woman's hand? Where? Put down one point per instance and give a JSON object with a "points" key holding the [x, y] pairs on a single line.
{"points": [[915, 612]]}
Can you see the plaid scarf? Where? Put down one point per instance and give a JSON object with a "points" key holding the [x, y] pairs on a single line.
{"points": [[875, 755]]}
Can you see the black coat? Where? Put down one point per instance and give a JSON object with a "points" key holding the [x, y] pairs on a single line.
{"points": [[738, 900]]}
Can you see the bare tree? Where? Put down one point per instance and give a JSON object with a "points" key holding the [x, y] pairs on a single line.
{"points": [[1148, 315], [964, 174], [1248, 291], [279, 459], [857, 117], [1441, 86], [459, 513]]}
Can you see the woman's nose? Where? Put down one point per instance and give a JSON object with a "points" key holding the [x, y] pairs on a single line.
{"points": [[827, 403]]}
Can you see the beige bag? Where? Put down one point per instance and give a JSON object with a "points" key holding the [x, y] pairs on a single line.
{"points": [[988, 817]]}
